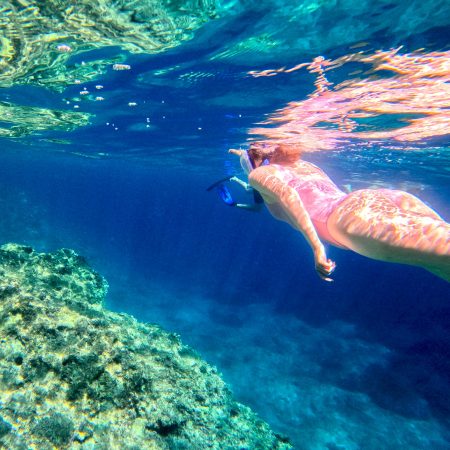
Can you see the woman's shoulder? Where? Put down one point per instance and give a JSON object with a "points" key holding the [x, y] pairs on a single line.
{"points": [[269, 170], [300, 172]]}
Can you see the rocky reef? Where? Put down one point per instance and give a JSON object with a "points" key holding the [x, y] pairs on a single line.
{"points": [[75, 375]]}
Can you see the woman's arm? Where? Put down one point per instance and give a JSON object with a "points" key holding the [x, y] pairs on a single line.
{"points": [[242, 183], [255, 206], [279, 196]]}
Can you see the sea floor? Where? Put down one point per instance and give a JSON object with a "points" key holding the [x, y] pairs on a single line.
{"points": [[317, 385]]}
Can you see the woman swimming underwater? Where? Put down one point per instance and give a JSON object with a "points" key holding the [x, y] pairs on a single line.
{"points": [[388, 225]]}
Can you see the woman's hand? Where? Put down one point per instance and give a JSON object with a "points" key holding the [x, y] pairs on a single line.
{"points": [[324, 268]]}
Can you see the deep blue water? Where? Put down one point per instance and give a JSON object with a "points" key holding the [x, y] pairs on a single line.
{"points": [[175, 255], [362, 363]]}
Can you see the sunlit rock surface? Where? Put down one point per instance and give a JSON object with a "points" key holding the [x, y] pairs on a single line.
{"points": [[73, 374]]}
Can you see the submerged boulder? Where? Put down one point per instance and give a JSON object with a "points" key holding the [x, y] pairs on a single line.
{"points": [[75, 375]]}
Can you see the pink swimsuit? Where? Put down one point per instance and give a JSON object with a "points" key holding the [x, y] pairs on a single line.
{"points": [[320, 197]]}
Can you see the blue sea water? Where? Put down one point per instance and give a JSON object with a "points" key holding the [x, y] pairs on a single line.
{"points": [[361, 363]]}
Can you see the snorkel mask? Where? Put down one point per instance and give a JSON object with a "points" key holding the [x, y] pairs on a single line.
{"points": [[246, 164]]}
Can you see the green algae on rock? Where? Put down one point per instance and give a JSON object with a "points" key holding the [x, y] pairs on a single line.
{"points": [[75, 375]]}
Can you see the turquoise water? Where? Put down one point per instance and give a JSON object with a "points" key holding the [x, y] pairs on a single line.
{"points": [[358, 364]]}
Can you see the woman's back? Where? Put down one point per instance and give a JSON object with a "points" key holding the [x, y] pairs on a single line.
{"points": [[315, 189], [381, 224]]}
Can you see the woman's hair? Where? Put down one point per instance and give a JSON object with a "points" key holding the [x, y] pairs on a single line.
{"points": [[283, 154]]}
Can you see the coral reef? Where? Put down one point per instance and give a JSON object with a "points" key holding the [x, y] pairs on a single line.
{"points": [[75, 375]]}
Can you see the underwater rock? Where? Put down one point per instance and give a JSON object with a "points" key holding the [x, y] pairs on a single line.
{"points": [[75, 375]]}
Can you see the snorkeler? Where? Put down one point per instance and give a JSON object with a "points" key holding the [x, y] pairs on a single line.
{"points": [[383, 224]]}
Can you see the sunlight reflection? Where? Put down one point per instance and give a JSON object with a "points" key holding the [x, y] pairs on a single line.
{"points": [[415, 92]]}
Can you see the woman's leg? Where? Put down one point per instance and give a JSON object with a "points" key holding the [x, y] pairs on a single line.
{"points": [[409, 202], [393, 226]]}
